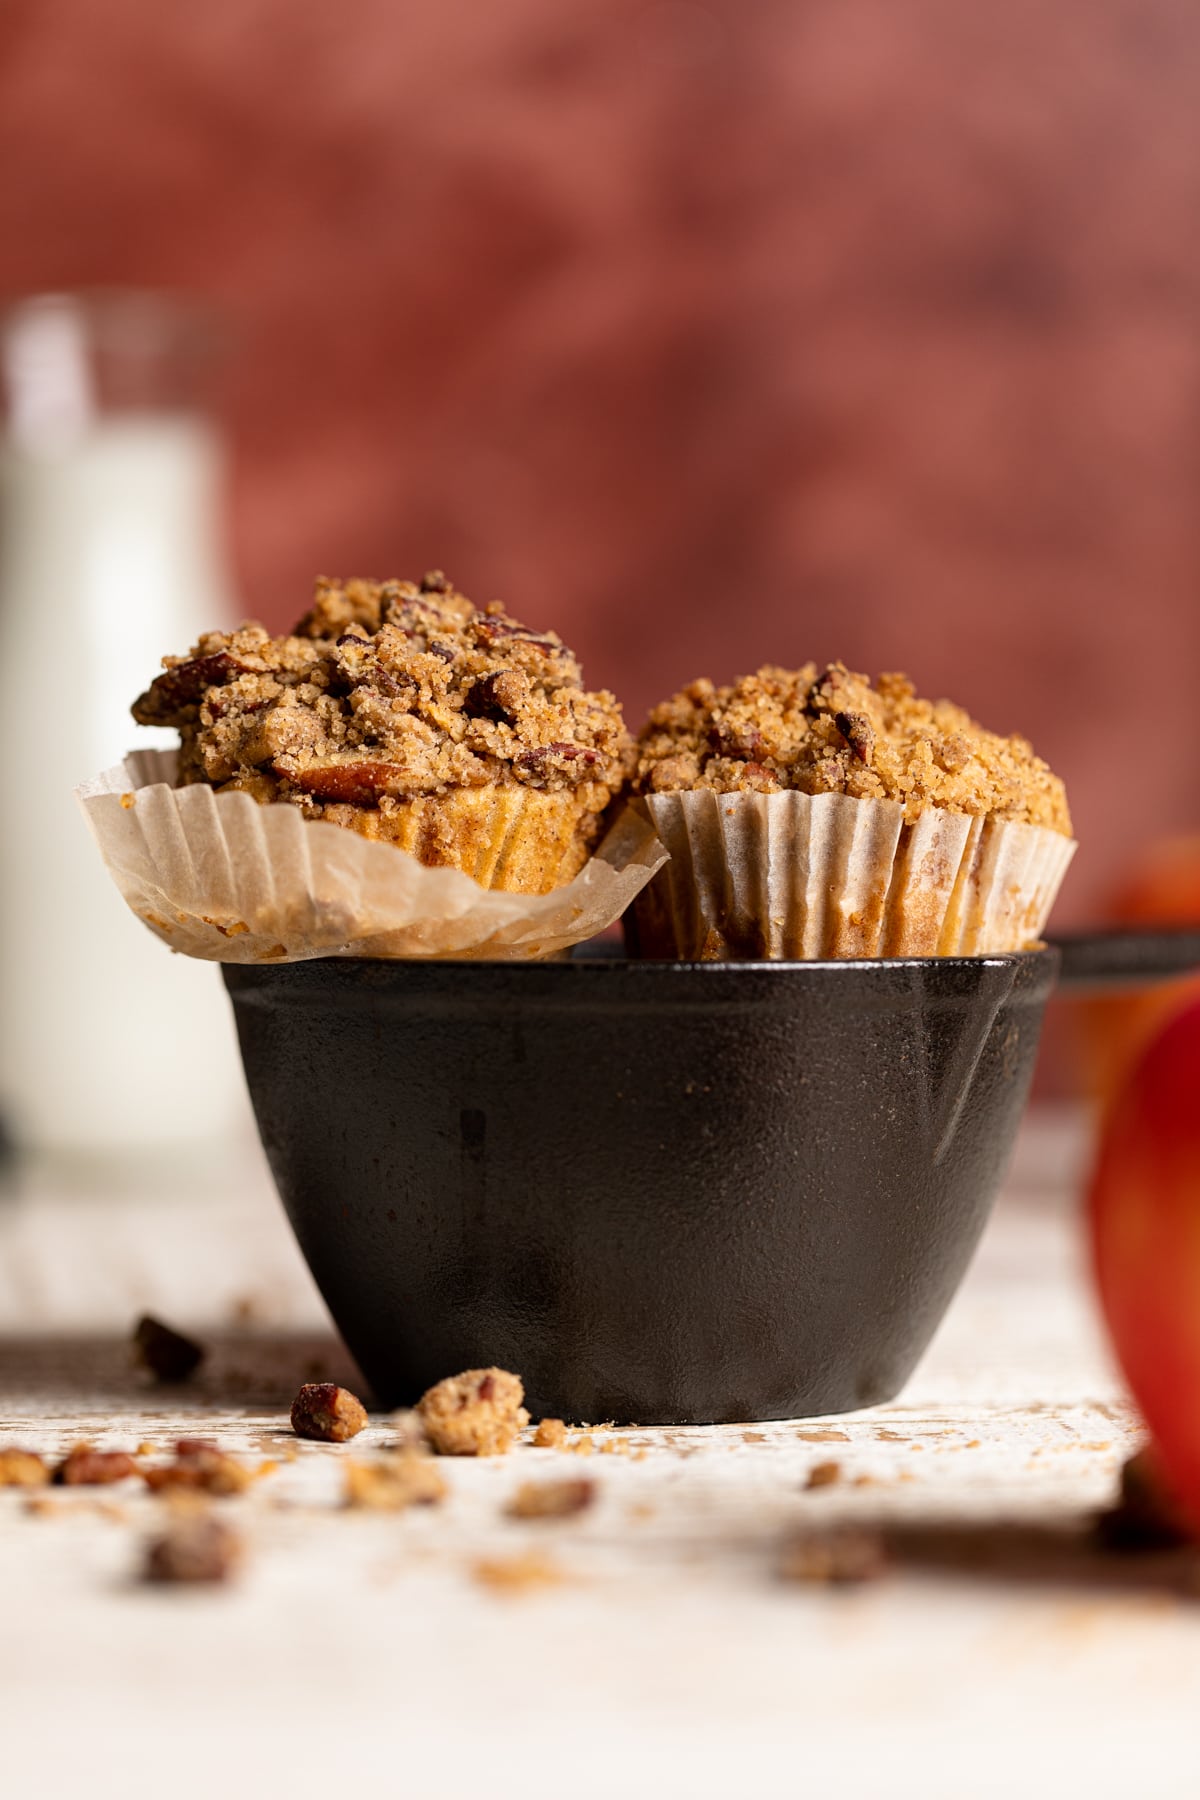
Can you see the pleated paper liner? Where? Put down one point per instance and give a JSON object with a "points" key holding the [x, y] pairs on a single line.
{"points": [[220, 877], [802, 876]]}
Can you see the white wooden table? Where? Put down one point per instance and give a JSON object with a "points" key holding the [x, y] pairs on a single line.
{"points": [[1002, 1655]]}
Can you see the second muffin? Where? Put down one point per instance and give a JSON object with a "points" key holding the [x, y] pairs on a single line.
{"points": [[811, 814]]}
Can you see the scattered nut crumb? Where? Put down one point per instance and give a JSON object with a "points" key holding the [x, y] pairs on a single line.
{"points": [[836, 1557], [23, 1469], [166, 1354], [84, 1467], [393, 1483], [194, 1547], [329, 1413], [551, 1434], [477, 1413], [824, 1436], [199, 1465], [146, 1449], [582, 1446], [824, 1474], [517, 1574], [551, 1499]]}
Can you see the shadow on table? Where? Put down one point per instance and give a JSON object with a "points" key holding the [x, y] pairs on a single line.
{"points": [[1029, 1554], [245, 1370]]}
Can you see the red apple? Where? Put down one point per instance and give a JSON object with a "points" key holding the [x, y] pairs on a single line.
{"points": [[1112, 1030], [1145, 1215]]}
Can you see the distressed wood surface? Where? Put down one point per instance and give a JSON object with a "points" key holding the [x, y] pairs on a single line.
{"points": [[663, 1653]]}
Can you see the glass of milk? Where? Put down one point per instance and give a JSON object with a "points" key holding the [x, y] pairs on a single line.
{"points": [[112, 553]]}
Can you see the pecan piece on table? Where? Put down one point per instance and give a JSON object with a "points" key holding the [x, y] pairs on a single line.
{"points": [[328, 1413]]}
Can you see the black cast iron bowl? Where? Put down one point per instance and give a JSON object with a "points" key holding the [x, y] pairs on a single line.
{"points": [[661, 1192]]}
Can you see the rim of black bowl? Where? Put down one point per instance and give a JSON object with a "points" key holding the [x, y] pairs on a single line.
{"points": [[880, 983]]}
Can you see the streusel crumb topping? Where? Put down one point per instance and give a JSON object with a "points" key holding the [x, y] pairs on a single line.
{"points": [[830, 731], [386, 691]]}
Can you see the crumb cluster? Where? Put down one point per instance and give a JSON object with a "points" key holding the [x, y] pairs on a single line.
{"points": [[830, 731], [477, 1413]]}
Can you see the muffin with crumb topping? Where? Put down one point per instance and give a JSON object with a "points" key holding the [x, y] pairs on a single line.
{"points": [[812, 813], [404, 713]]}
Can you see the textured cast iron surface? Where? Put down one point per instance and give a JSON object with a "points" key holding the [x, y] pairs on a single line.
{"points": [[683, 1193]]}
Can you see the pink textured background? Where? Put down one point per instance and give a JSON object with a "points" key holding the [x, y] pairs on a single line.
{"points": [[706, 333]]}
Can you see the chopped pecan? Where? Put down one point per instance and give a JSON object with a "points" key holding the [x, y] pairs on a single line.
{"points": [[858, 732], [172, 692], [353, 783], [194, 1547], [168, 1355], [84, 1467], [329, 1413], [394, 686], [496, 696], [433, 581], [823, 695], [551, 1434], [740, 746], [536, 762], [489, 630]]}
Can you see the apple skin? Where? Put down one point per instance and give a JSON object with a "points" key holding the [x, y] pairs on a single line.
{"points": [[1112, 1030], [1145, 1220]]}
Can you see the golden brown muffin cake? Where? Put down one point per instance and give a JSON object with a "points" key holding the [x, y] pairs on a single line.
{"points": [[809, 814], [832, 732], [405, 713]]}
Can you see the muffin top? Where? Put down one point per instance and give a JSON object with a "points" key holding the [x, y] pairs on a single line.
{"points": [[386, 691], [829, 731]]}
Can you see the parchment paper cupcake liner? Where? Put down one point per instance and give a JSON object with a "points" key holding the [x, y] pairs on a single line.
{"points": [[802, 876], [220, 877]]}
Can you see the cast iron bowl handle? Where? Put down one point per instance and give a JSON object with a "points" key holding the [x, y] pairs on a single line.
{"points": [[1102, 960]]}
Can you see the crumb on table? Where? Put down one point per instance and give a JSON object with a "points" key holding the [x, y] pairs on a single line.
{"points": [[393, 1483], [551, 1499], [477, 1413]]}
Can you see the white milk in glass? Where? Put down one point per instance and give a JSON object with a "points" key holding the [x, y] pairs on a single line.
{"points": [[110, 556]]}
